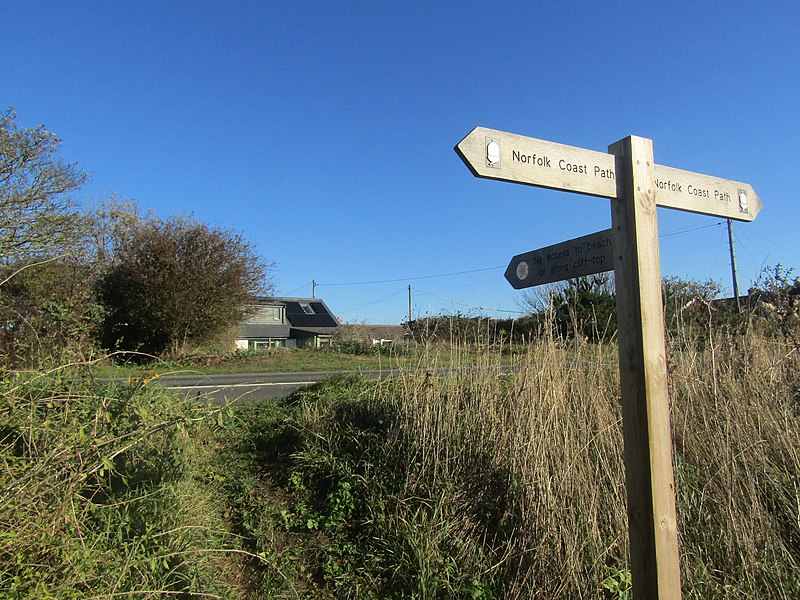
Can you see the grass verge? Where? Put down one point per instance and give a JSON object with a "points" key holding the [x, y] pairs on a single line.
{"points": [[103, 493], [289, 361], [484, 486], [472, 484], [332, 491]]}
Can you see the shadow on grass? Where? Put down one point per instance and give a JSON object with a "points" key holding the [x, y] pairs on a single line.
{"points": [[331, 488]]}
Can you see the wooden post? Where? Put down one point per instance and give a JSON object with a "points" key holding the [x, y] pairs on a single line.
{"points": [[652, 526], [733, 267], [410, 312]]}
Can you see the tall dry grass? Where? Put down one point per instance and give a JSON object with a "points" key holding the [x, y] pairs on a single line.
{"points": [[553, 428], [101, 491], [737, 445]]}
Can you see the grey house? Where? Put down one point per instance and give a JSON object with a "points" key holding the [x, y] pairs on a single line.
{"points": [[286, 323]]}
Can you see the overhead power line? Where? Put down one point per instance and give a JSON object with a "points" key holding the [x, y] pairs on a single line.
{"points": [[454, 273], [412, 278], [451, 301], [371, 302], [680, 231], [474, 283], [771, 241], [302, 287]]}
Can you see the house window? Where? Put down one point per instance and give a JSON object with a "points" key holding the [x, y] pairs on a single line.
{"points": [[268, 343], [276, 313], [308, 309]]}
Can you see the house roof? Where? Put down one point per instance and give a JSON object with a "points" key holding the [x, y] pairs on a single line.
{"points": [[309, 314]]}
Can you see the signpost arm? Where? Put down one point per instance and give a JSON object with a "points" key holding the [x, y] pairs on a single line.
{"points": [[649, 474]]}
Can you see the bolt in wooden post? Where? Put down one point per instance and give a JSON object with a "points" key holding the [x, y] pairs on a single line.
{"points": [[649, 474]]}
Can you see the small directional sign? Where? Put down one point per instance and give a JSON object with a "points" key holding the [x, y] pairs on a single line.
{"points": [[492, 154], [587, 255], [704, 194]]}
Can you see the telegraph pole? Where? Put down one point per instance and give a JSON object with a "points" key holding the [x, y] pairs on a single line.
{"points": [[733, 266], [314, 288], [410, 311]]}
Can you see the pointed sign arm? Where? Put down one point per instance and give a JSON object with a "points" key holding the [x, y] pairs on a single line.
{"points": [[695, 192], [493, 154]]}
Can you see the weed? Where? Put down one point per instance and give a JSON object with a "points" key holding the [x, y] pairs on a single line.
{"points": [[618, 583], [97, 493], [469, 483]]}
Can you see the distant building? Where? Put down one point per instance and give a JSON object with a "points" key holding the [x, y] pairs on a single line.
{"points": [[383, 335], [286, 323]]}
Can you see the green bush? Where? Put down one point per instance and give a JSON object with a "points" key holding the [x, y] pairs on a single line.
{"points": [[97, 495], [586, 306], [329, 486], [356, 346]]}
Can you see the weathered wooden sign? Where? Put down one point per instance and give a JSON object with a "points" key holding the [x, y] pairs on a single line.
{"points": [[587, 255], [628, 176], [493, 154], [704, 194]]}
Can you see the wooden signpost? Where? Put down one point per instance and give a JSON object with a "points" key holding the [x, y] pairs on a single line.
{"points": [[636, 186], [493, 154]]}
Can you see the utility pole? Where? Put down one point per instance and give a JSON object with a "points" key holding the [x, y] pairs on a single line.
{"points": [[733, 266], [314, 288], [410, 310]]}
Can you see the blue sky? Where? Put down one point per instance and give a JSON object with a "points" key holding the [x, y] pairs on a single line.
{"points": [[324, 131]]}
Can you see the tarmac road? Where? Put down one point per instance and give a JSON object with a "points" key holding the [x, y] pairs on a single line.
{"points": [[252, 386]]}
